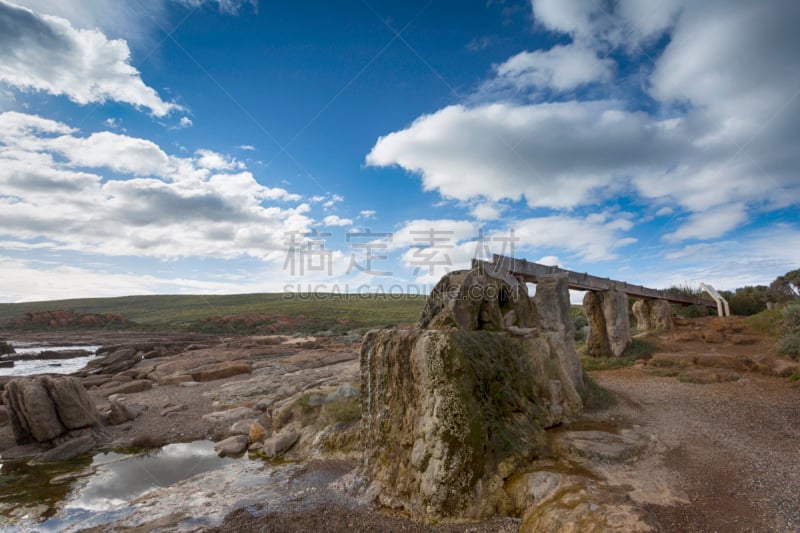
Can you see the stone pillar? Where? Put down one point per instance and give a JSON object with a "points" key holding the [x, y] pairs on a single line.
{"points": [[554, 316], [653, 314], [609, 327]]}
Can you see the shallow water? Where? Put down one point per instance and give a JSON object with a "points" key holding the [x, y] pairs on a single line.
{"points": [[79, 493], [47, 366]]}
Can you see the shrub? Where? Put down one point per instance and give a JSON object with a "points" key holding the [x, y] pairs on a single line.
{"points": [[789, 343], [596, 397]]}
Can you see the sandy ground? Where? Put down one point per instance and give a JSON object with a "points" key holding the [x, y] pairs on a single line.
{"points": [[733, 445]]}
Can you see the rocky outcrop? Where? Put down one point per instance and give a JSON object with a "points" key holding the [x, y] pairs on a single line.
{"points": [[6, 348], [42, 409], [653, 314], [449, 415], [478, 299], [451, 411], [609, 326]]}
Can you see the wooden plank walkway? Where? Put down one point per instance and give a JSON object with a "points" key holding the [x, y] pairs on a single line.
{"points": [[531, 272]]}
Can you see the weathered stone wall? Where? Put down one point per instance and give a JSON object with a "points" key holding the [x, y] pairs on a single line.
{"points": [[449, 415], [609, 325]]}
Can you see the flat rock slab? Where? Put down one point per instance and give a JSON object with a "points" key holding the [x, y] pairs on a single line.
{"points": [[600, 445], [230, 416], [69, 450]]}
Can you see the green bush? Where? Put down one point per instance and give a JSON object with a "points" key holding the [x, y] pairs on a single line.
{"points": [[789, 343], [596, 397]]}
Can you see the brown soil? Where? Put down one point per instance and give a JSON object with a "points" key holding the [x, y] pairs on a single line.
{"points": [[734, 445]]}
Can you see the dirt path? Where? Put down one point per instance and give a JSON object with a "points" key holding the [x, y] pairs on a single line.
{"points": [[735, 446]]}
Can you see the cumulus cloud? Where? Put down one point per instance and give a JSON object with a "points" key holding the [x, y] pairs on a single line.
{"points": [[717, 137], [118, 195], [562, 68], [554, 155], [46, 53], [336, 220]]}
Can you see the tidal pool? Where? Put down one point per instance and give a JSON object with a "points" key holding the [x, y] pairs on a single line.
{"points": [[64, 495]]}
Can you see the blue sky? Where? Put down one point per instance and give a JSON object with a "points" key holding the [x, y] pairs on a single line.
{"points": [[227, 146]]}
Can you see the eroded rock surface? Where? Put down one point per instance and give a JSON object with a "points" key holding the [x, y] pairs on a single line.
{"points": [[42, 409], [653, 314], [449, 413], [609, 326]]}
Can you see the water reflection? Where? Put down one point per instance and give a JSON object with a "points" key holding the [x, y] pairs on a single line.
{"points": [[79, 493], [121, 478]]}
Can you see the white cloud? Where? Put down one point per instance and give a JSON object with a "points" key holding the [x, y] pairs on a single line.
{"points": [[184, 122], [137, 200], [120, 153], [335, 220], [246, 147], [486, 211], [720, 137], [562, 68], [710, 224], [46, 53], [215, 161], [549, 260], [593, 238], [367, 213], [664, 211], [554, 155]]}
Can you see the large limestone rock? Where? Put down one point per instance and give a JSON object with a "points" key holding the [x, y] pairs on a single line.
{"points": [[554, 313], [478, 299], [450, 412], [449, 415], [609, 326], [42, 409], [653, 314]]}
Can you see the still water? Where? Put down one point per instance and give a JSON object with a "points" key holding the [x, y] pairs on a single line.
{"points": [[96, 492]]}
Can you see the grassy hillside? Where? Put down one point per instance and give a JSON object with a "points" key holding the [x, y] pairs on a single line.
{"points": [[184, 311]]}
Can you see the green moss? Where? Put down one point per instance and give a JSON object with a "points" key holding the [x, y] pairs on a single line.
{"points": [[341, 410], [794, 377], [595, 397]]}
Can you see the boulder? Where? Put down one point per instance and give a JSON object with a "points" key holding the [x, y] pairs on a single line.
{"points": [[6, 348], [73, 404], [448, 415], [280, 443], [44, 408], [609, 326], [257, 433], [121, 413], [68, 450], [231, 446]]}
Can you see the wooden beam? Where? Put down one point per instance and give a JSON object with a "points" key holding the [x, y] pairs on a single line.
{"points": [[531, 272]]}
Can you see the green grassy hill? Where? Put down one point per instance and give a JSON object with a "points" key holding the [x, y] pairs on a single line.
{"points": [[186, 311]]}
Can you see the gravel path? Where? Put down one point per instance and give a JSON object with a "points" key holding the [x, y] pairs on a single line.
{"points": [[735, 445]]}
